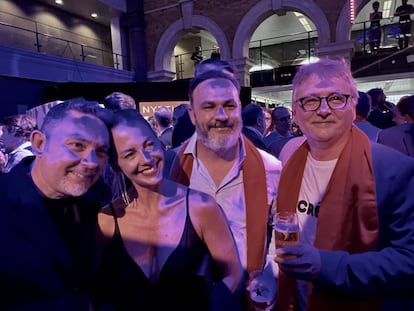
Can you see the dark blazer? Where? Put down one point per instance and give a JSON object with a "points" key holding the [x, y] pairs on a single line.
{"points": [[36, 267], [391, 277], [166, 138], [400, 137], [254, 138]]}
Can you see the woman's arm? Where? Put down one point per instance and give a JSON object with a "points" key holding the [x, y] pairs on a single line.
{"points": [[211, 225]]}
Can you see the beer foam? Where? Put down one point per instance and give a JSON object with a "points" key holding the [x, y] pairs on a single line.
{"points": [[282, 227]]}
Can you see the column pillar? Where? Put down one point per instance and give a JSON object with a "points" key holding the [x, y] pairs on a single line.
{"points": [[243, 66], [133, 21], [119, 44], [161, 76], [187, 10]]}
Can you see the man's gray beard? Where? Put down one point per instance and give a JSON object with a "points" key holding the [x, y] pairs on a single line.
{"points": [[220, 144]]}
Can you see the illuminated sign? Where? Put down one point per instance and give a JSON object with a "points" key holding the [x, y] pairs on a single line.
{"points": [[147, 109]]}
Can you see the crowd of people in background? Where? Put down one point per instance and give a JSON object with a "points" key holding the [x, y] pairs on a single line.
{"points": [[103, 209], [272, 128]]}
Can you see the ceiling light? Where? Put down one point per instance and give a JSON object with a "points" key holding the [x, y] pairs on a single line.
{"points": [[60, 2], [386, 11], [94, 15], [260, 67], [310, 60], [303, 20]]}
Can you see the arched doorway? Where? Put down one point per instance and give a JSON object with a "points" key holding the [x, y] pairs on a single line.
{"points": [[164, 54], [186, 55]]}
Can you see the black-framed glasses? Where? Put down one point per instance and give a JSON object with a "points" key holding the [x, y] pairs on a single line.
{"points": [[334, 101]]}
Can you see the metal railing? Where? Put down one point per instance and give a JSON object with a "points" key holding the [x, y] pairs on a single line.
{"points": [[389, 36], [30, 38], [184, 65], [288, 50]]}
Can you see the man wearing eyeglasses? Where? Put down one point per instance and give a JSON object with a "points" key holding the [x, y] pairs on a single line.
{"points": [[354, 204], [282, 120]]}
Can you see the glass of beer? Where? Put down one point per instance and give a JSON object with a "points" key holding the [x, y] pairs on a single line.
{"points": [[286, 229], [262, 290]]}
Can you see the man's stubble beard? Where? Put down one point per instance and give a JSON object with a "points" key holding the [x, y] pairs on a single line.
{"points": [[76, 189], [73, 189]]}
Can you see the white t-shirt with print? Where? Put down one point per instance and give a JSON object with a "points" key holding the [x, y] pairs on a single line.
{"points": [[315, 179]]}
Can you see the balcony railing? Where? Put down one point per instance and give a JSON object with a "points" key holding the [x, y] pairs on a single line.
{"points": [[284, 51], [184, 65], [388, 40], [275, 59], [32, 39], [289, 50]]}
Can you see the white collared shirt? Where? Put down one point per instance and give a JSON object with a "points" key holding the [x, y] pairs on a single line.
{"points": [[230, 193]]}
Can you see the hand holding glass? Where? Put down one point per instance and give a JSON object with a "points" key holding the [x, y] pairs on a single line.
{"points": [[262, 290], [286, 228]]}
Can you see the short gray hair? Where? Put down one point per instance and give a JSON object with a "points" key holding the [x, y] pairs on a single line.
{"points": [[326, 68]]}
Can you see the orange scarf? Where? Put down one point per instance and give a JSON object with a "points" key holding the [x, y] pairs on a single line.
{"points": [[255, 191], [348, 217]]}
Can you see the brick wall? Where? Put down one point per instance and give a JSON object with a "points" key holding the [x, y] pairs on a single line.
{"points": [[227, 15]]}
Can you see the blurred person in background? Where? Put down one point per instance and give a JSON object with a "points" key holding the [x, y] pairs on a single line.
{"points": [[164, 124], [375, 27], [182, 128], [3, 155], [117, 101], [16, 138], [215, 53], [282, 122], [254, 124], [268, 121], [404, 12], [398, 117], [282, 133], [178, 112], [197, 55], [401, 137], [381, 114], [151, 121], [363, 108]]}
